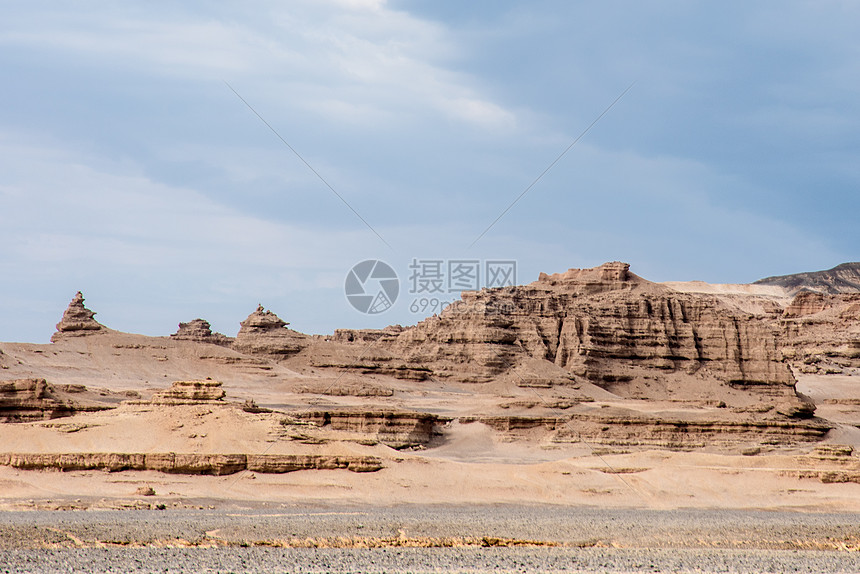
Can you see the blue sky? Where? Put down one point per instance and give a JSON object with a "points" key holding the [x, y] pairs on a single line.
{"points": [[129, 170]]}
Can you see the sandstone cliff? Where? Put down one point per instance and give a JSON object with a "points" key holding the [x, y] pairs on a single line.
{"points": [[820, 333], [605, 325]]}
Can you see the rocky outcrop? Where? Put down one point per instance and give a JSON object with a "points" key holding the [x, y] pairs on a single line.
{"points": [[200, 331], [807, 303], [34, 399], [264, 333], [628, 429], [606, 325], [189, 463], [190, 393], [24, 400], [77, 320], [844, 278], [397, 429], [820, 333]]}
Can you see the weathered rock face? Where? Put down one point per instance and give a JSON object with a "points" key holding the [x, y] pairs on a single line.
{"points": [[190, 392], [24, 400], [34, 399], [200, 331], [820, 333], [808, 303], [627, 429], [397, 429], [604, 324], [77, 320], [264, 333]]}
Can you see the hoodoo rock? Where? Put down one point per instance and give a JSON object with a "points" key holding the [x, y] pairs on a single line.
{"points": [[200, 331], [77, 320], [264, 333]]}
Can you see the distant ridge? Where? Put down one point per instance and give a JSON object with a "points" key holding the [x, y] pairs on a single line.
{"points": [[844, 278]]}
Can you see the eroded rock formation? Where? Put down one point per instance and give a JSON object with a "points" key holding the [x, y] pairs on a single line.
{"points": [[34, 399], [200, 331], [77, 320], [820, 333], [189, 463], [397, 429], [25, 400], [190, 392], [264, 333], [606, 325]]}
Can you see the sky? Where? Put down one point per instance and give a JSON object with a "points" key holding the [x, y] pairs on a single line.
{"points": [[131, 168]]}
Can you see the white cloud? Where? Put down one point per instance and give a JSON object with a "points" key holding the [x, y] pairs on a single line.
{"points": [[359, 61], [59, 213]]}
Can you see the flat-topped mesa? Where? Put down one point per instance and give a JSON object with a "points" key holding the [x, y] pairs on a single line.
{"points": [[77, 320], [200, 331], [264, 333]]}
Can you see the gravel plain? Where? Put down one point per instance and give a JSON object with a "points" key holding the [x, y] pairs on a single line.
{"points": [[431, 538]]}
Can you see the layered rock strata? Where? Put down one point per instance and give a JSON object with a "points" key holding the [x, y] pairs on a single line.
{"points": [[24, 400], [820, 333], [189, 463], [189, 393], [605, 325], [264, 333], [670, 432], [397, 429], [77, 320], [200, 331]]}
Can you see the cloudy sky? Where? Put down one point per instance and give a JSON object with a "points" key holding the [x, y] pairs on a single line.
{"points": [[130, 170]]}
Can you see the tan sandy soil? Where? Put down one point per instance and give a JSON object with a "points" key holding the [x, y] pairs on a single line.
{"points": [[468, 463]]}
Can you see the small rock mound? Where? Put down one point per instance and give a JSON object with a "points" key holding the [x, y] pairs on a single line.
{"points": [[265, 333], [190, 392], [77, 320], [200, 331]]}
